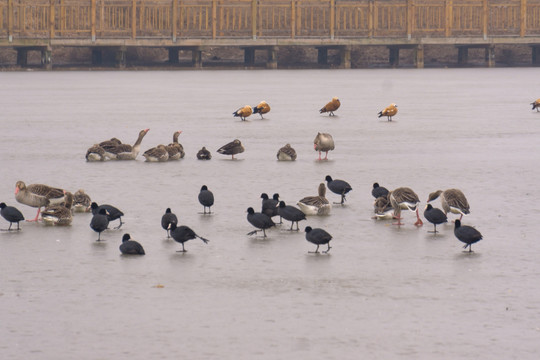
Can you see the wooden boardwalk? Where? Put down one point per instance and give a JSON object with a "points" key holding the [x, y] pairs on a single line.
{"points": [[41, 25]]}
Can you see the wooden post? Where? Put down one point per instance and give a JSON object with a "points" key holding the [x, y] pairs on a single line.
{"points": [[10, 20], [62, 17], [332, 18], [535, 55], [463, 55], [485, 18], [254, 19], [419, 56], [272, 58], [409, 18], [490, 56], [448, 18], [371, 18], [523, 19], [173, 55], [134, 19], [393, 56], [214, 19], [174, 19], [293, 19], [51, 20], [93, 19], [345, 57], [322, 56]]}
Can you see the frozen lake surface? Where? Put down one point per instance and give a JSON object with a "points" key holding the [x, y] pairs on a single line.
{"points": [[382, 292]]}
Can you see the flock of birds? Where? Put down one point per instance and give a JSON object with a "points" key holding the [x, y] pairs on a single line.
{"points": [[59, 205]]}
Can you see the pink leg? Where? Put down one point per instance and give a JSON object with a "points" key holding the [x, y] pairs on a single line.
{"points": [[326, 156], [418, 220], [320, 155], [37, 215]]}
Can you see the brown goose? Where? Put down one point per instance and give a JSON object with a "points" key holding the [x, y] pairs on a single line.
{"points": [[232, 148], [286, 153], [156, 154], [126, 151], [58, 214], [112, 142], [383, 208], [316, 205], [389, 111], [243, 112], [323, 142], [332, 106], [404, 198], [95, 153], [38, 195], [175, 149], [81, 201], [204, 154], [452, 200], [261, 109]]}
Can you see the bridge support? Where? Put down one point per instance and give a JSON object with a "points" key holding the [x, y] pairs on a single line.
{"points": [[344, 56], [419, 56], [46, 58], [97, 56], [272, 61], [173, 55], [535, 55], [322, 56], [196, 57], [463, 54], [120, 57], [249, 56], [393, 56], [22, 57]]}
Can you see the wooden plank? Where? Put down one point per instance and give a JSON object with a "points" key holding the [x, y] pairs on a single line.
{"points": [[174, 16], [93, 19], [51, 19], [10, 18], [523, 18], [214, 19], [332, 18], [485, 18], [293, 19], [134, 19], [254, 19]]}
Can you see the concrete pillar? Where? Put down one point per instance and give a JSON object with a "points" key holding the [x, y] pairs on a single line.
{"points": [[97, 56], [121, 58], [535, 55], [173, 55], [22, 57], [393, 57], [322, 56], [272, 58], [196, 58], [345, 57], [46, 58], [490, 56], [463, 55], [249, 56], [419, 57]]}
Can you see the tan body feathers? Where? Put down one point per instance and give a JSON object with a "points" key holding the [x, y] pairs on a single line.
{"points": [[332, 106], [389, 111]]}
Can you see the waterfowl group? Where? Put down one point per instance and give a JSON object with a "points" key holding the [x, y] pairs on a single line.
{"points": [[112, 212], [452, 200]]}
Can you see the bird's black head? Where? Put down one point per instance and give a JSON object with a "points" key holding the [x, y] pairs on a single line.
{"points": [[375, 185], [126, 237], [457, 224], [204, 187], [308, 229], [264, 196], [168, 211], [328, 178], [275, 196], [429, 207], [2, 205], [172, 226], [282, 204], [250, 210], [94, 205]]}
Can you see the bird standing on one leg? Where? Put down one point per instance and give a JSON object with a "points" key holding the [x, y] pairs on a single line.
{"points": [[466, 234], [339, 187], [434, 216]]}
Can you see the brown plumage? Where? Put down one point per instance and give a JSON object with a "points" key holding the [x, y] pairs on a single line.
{"points": [[286, 153], [261, 109], [58, 214], [332, 106], [389, 111], [81, 201], [536, 105], [405, 198], [316, 205], [126, 151], [323, 142], [243, 112], [112, 142], [175, 149], [156, 154], [452, 200], [232, 148], [204, 154], [38, 195], [96, 153]]}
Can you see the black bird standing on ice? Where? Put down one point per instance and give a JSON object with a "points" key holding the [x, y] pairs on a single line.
{"points": [[130, 247], [167, 219], [269, 206], [291, 213], [99, 222], [11, 214], [112, 212], [379, 191], [206, 198], [259, 220], [339, 187], [434, 216], [466, 234], [318, 237], [183, 233]]}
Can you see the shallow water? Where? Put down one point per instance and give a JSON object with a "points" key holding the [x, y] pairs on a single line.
{"points": [[381, 292]]}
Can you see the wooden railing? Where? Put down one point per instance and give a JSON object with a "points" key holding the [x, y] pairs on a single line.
{"points": [[216, 19]]}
